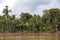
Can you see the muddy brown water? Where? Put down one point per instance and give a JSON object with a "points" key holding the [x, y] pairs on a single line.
{"points": [[28, 36]]}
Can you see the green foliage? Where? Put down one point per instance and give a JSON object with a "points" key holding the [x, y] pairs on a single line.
{"points": [[30, 23]]}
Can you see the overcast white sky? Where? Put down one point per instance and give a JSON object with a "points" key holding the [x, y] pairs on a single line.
{"points": [[31, 6]]}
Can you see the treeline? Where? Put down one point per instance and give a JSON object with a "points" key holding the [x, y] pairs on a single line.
{"points": [[49, 22]]}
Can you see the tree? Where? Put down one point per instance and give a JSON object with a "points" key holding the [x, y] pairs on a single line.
{"points": [[6, 18], [6, 11], [34, 25], [25, 16], [52, 16]]}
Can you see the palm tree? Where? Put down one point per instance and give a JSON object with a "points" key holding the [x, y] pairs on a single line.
{"points": [[6, 16], [6, 11]]}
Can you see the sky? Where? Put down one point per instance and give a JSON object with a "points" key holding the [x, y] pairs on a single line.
{"points": [[30, 6]]}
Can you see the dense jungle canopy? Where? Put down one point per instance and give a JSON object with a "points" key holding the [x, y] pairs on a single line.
{"points": [[49, 22]]}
